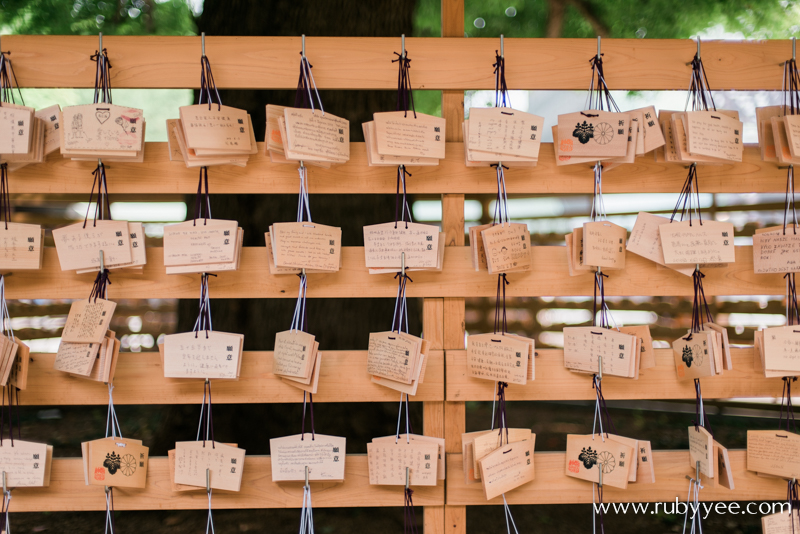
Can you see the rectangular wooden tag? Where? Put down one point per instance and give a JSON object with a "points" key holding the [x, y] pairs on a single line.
{"points": [[646, 473], [226, 464], [471, 475], [20, 246], [647, 355], [402, 134], [724, 470], [79, 247], [781, 523], [373, 158], [51, 118], [779, 137], [215, 127], [391, 356], [701, 449], [440, 465], [117, 462], [629, 462], [317, 133], [792, 123], [16, 123], [308, 385], [76, 358], [653, 136], [583, 345], [306, 245], [384, 243], [693, 358], [200, 241], [23, 463], [774, 252], [507, 247], [690, 242], [293, 353], [19, 372], [102, 127], [604, 244], [645, 239], [497, 357], [773, 453], [507, 468], [388, 461], [587, 454], [323, 455], [490, 441], [476, 246], [203, 354], [593, 133], [781, 348], [714, 135], [88, 321], [505, 131], [670, 152]]}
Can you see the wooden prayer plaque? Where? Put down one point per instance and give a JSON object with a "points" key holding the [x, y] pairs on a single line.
{"points": [[588, 454], [323, 455], [507, 468]]}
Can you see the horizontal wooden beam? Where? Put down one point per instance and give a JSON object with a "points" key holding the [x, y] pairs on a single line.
{"points": [[549, 277], [366, 63], [157, 175], [555, 382], [139, 379], [67, 491], [552, 486]]}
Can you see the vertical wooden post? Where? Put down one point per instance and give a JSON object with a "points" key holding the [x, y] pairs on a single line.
{"points": [[455, 517], [433, 411]]}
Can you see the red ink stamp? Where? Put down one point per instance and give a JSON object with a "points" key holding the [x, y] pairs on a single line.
{"points": [[574, 466], [566, 145], [99, 473]]}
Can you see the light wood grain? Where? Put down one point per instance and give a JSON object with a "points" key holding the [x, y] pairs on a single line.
{"points": [[157, 175], [549, 277], [555, 382], [67, 491], [552, 486], [139, 379], [366, 63]]}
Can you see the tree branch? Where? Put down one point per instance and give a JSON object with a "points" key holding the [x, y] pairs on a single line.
{"points": [[555, 18], [588, 13]]}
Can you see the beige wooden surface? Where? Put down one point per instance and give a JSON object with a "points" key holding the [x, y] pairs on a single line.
{"points": [[158, 175], [549, 277], [139, 379], [67, 491], [555, 382], [552, 486], [365, 62]]}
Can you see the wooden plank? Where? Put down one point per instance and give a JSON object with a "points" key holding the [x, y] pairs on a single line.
{"points": [[552, 486], [452, 18], [453, 112], [157, 175], [453, 219], [67, 491], [140, 380], [433, 322], [365, 63], [549, 277], [555, 382]]}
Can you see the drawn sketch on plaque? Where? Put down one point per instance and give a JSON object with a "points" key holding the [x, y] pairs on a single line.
{"points": [[102, 127], [323, 455]]}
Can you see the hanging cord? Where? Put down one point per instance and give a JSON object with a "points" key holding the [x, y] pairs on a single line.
{"points": [[501, 97], [689, 198], [693, 497], [409, 517], [109, 510], [699, 92], [701, 313], [409, 429], [599, 96], [307, 513], [400, 316], [102, 208], [303, 98], [405, 97], [205, 428], [786, 400], [299, 318], [8, 81], [202, 202], [402, 205], [791, 88], [203, 321], [102, 80], [5, 198], [501, 202], [303, 423], [500, 319], [208, 89], [598, 206], [793, 500], [303, 207]]}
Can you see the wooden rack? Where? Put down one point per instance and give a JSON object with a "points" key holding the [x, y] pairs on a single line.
{"points": [[451, 64]]}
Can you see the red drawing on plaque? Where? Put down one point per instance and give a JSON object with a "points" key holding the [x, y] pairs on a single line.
{"points": [[566, 145], [99, 473], [574, 466]]}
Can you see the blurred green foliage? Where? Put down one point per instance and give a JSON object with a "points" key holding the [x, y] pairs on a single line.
{"points": [[86, 17]]}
